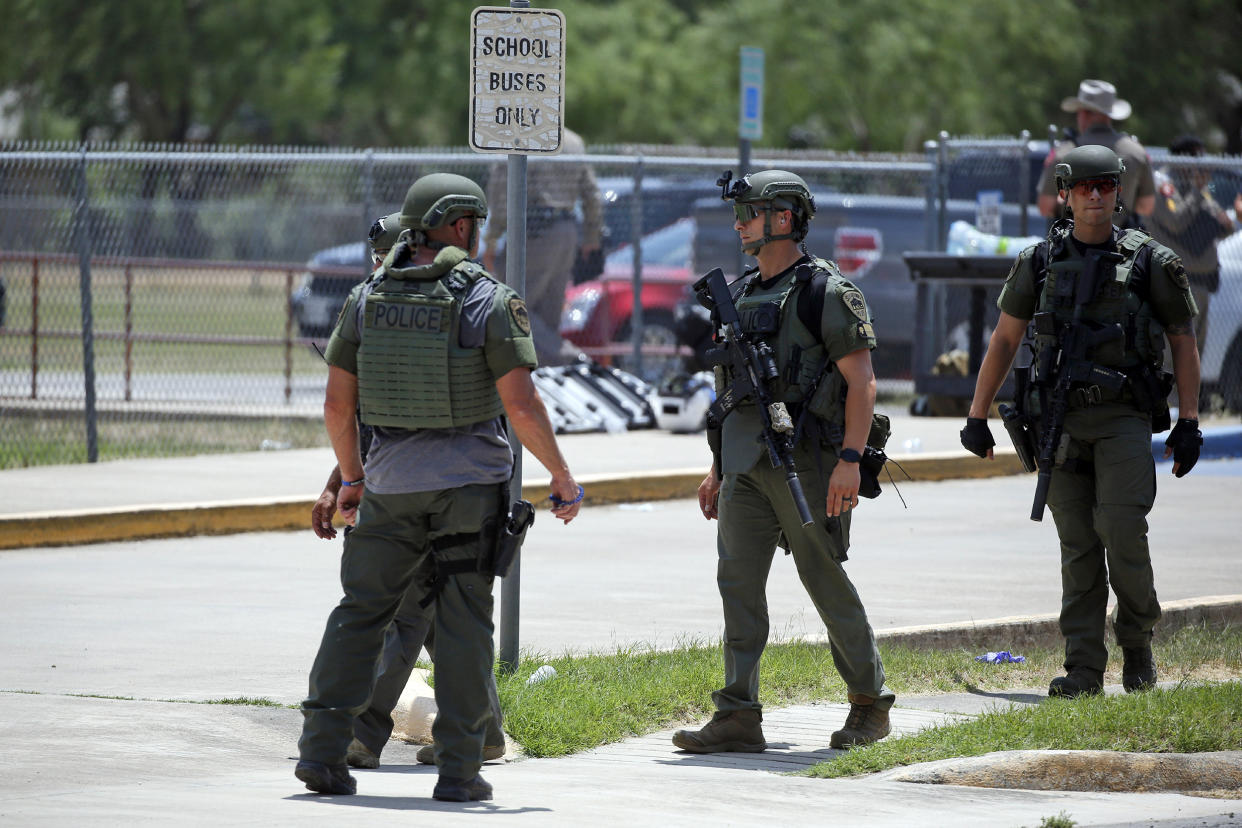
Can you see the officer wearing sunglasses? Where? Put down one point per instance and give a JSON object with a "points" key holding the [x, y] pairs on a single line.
{"points": [[1103, 479]]}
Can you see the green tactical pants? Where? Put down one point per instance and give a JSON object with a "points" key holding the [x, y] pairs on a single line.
{"points": [[1100, 506], [396, 543], [411, 630], [754, 509]]}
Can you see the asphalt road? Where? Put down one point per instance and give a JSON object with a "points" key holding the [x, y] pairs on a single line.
{"points": [[241, 615]]}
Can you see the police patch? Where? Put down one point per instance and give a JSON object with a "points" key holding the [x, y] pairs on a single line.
{"points": [[853, 300], [517, 309]]}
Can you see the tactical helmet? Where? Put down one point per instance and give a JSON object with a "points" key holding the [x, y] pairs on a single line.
{"points": [[783, 190], [384, 232], [1089, 161], [440, 198]]}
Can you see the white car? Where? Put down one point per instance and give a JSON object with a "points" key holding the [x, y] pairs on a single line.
{"points": [[1221, 359]]}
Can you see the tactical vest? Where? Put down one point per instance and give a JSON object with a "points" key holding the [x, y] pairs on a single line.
{"points": [[412, 371], [1114, 302], [771, 315]]}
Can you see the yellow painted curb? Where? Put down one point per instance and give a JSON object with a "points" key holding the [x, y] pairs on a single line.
{"points": [[291, 513]]}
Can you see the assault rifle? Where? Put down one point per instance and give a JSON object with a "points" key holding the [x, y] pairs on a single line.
{"points": [[1066, 366], [753, 367]]}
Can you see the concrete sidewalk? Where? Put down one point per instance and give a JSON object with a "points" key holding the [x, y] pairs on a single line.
{"points": [[274, 490]]}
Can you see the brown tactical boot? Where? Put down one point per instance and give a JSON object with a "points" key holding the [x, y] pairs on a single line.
{"points": [[427, 753], [732, 730], [865, 724], [1138, 671], [360, 756]]}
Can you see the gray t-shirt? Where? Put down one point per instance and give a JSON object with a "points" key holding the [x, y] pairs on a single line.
{"points": [[400, 461]]}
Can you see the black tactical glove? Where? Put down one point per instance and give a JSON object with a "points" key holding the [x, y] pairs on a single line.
{"points": [[977, 437], [1185, 439]]}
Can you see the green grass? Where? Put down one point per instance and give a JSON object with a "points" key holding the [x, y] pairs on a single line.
{"points": [[1186, 719], [40, 441], [601, 698], [189, 301], [248, 701]]}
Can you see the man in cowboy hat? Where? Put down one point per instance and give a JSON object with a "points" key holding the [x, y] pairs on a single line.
{"points": [[1097, 106]]}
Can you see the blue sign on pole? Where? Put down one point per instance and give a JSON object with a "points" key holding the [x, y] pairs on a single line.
{"points": [[750, 122]]}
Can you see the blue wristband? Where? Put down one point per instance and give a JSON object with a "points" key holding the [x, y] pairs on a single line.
{"points": [[357, 482], [556, 501]]}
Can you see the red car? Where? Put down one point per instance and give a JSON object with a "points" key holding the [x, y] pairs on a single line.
{"points": [[597, 313]]}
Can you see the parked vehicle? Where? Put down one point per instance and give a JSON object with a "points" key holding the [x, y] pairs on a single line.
{"points": [[598, 313], [322, 288]]}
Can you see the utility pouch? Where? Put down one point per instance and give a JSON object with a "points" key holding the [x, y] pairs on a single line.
{"points": [[1022, 435], [869, 468], [519, 519]]}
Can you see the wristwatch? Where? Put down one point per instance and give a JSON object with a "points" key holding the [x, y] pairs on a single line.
{"points": [[849, 455]]}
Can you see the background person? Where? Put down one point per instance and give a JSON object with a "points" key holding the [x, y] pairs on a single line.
{"points": [[821, 325], [1104, 479], [1095, 107], [553, 238], [411, 629], [1190, 221], [432, 351]]}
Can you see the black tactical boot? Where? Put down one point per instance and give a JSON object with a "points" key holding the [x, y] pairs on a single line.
{"points": [[323, 778], [454, 789], [865, 724], [1079, 681], [1138, 671], [733, 730]]}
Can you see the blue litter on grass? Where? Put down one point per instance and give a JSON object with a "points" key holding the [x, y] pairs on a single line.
{"points": [[1003, 657]]}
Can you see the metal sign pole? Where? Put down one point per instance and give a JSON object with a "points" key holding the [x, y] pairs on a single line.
{"points": [[515, 277], [516, 105], [750, 116]]}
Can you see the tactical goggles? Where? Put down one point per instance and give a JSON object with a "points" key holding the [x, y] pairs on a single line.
{"points": [[1106, 186], [746, 211]]}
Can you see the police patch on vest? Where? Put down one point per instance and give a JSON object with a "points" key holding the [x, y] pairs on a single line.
{"points": [[853, 300], [407, 316], [517, 309]]}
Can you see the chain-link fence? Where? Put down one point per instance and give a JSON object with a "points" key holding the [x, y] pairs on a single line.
{"points": [[168, 300]]}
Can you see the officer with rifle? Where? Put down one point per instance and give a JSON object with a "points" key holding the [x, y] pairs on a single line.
{"points": [[430, 351], [793, 417], [1101, 302]]}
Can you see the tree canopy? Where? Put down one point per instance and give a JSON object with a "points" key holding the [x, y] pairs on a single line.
{"points": [[867, 75]]}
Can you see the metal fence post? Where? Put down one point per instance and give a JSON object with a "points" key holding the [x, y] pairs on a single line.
{"points": [[636, 231], [368, 205], [82, 228], [1024, 181]]}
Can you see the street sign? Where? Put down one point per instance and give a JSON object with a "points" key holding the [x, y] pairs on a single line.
{"points": [[517, 85], [750, 123]]}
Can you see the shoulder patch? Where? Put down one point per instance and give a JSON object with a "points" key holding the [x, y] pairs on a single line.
{"points": [[517, 310], [1178, 273], [853, 300]]}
